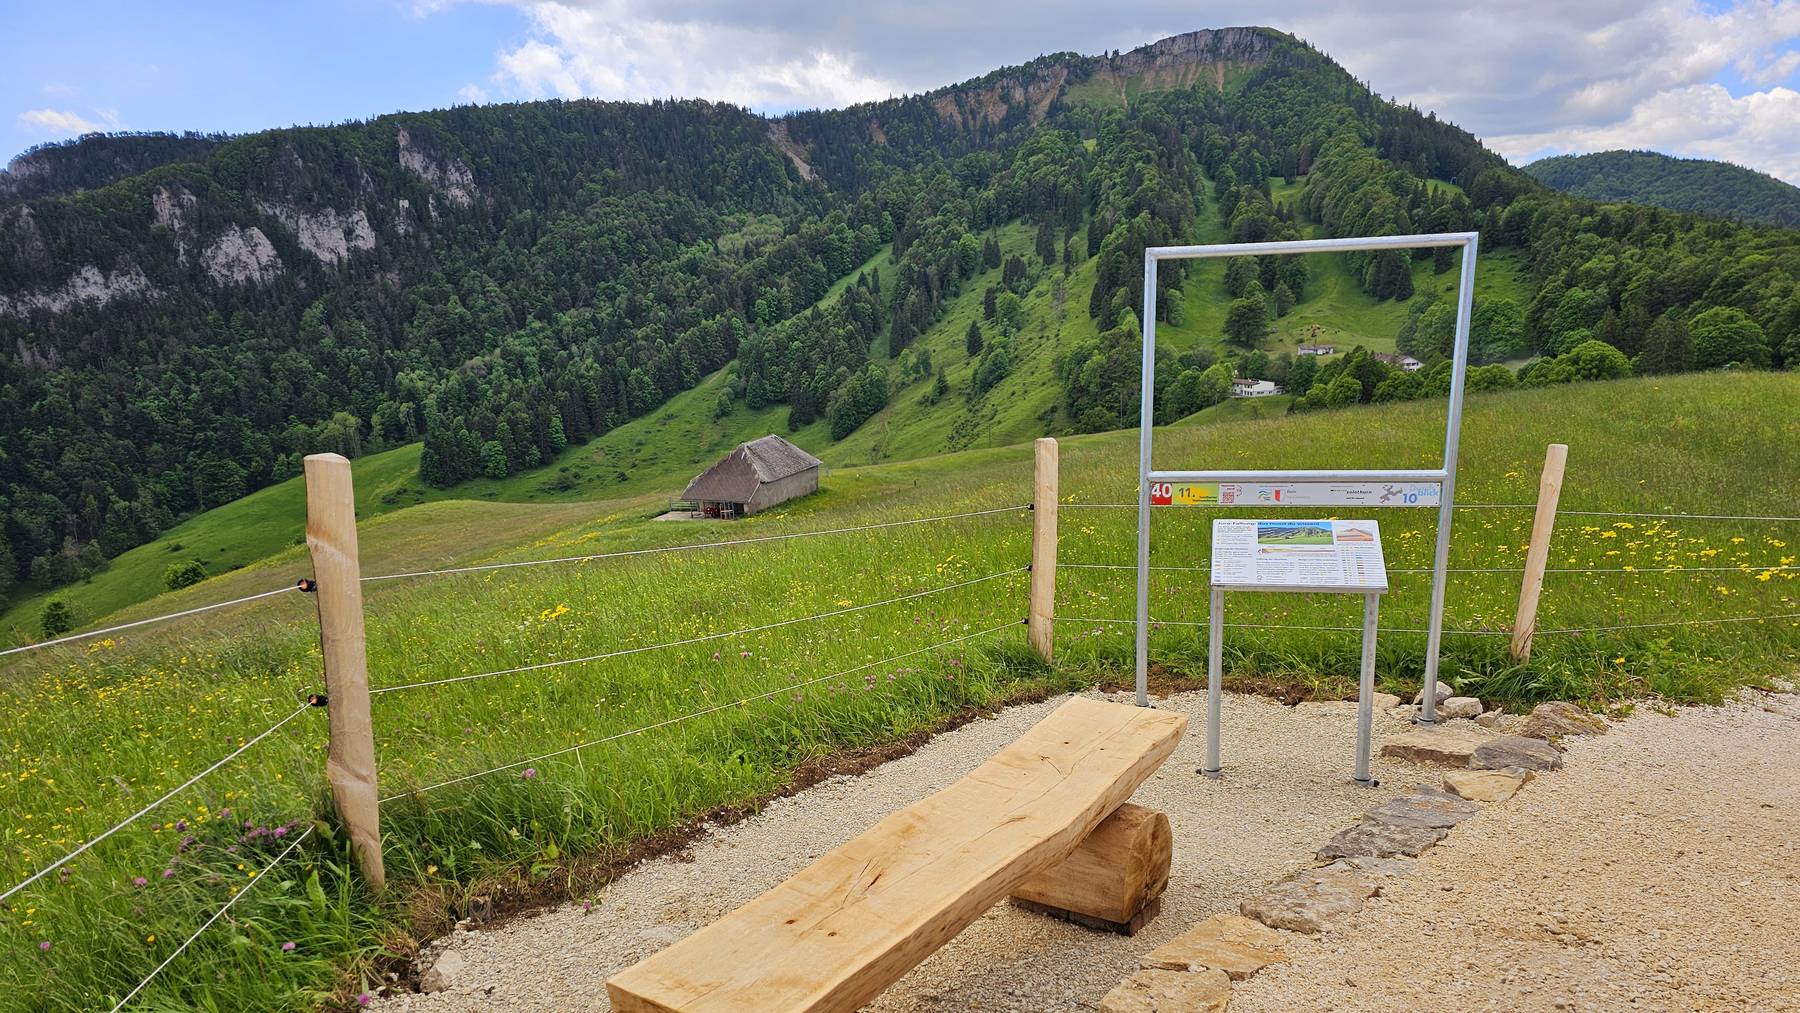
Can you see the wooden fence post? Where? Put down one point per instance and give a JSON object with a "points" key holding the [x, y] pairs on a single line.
{"points": [[1549, 491], [350, 759], [1043, 550]]}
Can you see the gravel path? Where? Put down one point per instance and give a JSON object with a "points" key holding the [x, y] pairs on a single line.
{"points": [[1660, 870], [1657, 872], [1287, 789]]}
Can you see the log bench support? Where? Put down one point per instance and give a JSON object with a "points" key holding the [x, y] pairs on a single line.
{"points": [[1114, 880], [843, 929]]}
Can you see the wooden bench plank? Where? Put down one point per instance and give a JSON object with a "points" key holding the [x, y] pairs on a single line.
{"points": [[843, 929]]}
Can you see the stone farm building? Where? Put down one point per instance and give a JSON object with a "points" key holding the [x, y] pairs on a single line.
{"points": [[756, 476]]}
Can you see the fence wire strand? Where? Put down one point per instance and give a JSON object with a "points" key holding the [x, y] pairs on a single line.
{"points": [[694, 545], [699, 713], [216, 915], [190, 782], [1406, 629], [90, 634], [695, 640]]}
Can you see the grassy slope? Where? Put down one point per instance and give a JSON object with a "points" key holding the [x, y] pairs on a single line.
{"points": [[94, 732]]}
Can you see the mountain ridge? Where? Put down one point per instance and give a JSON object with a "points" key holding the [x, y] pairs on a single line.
{"points": [[505, 282], [1699, 185]]}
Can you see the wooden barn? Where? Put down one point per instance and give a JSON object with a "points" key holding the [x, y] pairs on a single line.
{"points": [[756, 476]]}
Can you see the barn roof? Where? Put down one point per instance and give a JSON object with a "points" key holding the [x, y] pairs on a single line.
{"points": [[736, 475]]}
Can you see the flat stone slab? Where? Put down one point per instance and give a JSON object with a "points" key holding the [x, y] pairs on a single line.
{"points": [[1427, 807], [1459, 707], [1310, 901], [1450, 744], [1157, 991], [1556, 719], [1386, 868], [1231, 943], [1515, 751], [1487, 785], [1377, 840]]}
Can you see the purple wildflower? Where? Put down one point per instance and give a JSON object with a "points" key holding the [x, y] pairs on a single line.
{"points": [[528, 773], [181, 825], [224, 814], [279, 832], [364, 999], [167, 873], [140, 882], [44, 947], [287, 947]]}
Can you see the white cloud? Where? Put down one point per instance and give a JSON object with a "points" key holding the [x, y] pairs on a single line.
{"points": [[612, 49], [64, 123], [1702, 120], [1554, 72], [473, 94]]}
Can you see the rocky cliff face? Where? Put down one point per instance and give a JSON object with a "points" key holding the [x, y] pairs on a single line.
{"points": [[447, 175], [1182, 61]]}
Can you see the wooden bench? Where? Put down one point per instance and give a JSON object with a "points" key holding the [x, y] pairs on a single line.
{"points": [[852, 923]]}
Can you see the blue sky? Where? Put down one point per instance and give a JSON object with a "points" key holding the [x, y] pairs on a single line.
{"points": [[1531, 77]]}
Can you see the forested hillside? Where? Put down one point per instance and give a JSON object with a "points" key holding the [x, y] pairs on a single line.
{"points": [[1699, 185], [504, 282]]}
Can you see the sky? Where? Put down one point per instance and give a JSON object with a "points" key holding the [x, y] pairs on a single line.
{"points": [[1531, 78]]}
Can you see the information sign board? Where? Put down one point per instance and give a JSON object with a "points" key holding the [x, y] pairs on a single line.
{"points": [[1296, 494], [1271, 555]]}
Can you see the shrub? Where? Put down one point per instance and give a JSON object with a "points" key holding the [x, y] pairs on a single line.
{"points": [[57, 618], [187, 574]]}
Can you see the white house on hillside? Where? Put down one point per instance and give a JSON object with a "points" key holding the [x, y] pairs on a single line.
{"points": [[1246, 387]]}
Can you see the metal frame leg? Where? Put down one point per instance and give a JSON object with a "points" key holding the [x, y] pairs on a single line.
{"points": [[1365, 692], [1215, 647]]}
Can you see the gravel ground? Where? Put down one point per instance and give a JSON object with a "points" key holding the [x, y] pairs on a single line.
{"points": [[1660, 870], [1286, 789]]}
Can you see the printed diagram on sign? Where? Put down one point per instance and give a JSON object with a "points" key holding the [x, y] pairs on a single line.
{"points": [[1315, 555]]}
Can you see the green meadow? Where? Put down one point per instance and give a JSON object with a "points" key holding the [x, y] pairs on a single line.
{"points": [[780, 652]]}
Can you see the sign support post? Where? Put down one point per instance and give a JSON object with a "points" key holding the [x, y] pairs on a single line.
{"points": [[1307, 481]]}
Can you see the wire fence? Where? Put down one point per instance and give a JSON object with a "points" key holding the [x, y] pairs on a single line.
{"points": [[1155, 623], [716, 708], [141, 813], [725, 543], [742, 701], [90, 634], [702, 638], [216, 915]]}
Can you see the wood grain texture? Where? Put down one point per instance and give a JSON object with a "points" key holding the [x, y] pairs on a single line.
{"points": [[1041, 615], [840, 931], [1556, 457], [350, 757], [1114, 873]]}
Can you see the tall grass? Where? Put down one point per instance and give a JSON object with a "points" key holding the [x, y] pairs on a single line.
{"points": [[94, 733]]}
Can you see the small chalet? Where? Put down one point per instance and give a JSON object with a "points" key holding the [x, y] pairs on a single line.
{"points": [[756, 476], [1405, 362], [1246, 387]]}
